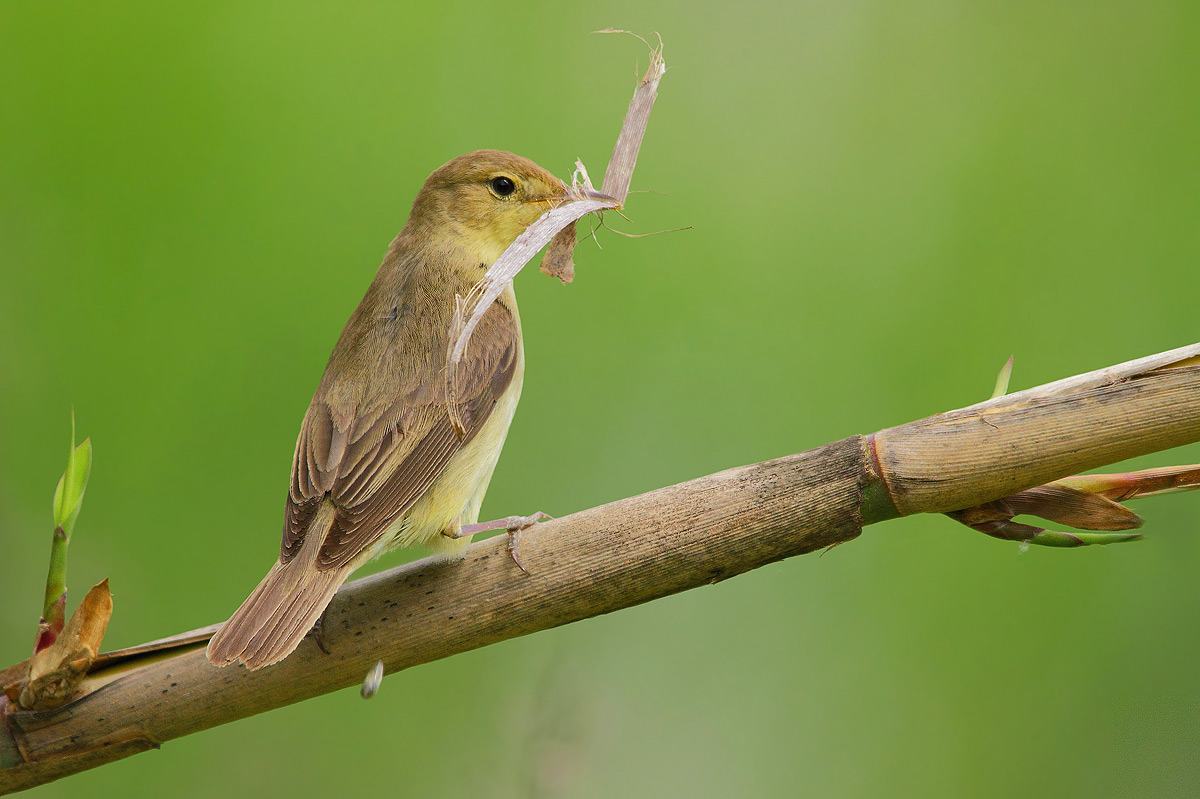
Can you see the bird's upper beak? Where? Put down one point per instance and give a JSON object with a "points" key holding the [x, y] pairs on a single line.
{"points": [[583, 193]]}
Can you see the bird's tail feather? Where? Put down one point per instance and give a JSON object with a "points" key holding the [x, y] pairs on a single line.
{"points": [[274, 619]]}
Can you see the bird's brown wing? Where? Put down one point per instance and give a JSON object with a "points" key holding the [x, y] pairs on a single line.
{"points": [[375, 461]]}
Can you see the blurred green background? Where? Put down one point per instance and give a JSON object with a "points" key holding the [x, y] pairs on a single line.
{"points": [[888, 200]]}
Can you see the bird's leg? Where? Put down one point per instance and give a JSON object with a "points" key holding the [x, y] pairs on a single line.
{"points": [[513, 525]]}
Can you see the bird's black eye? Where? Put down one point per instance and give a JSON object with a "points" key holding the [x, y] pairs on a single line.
{"points": [[503, 186]]}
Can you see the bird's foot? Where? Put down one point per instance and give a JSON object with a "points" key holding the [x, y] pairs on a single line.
{"points": [[513, 525]]}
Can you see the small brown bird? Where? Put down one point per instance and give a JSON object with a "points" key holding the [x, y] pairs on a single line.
{"points": [[378, 462]]}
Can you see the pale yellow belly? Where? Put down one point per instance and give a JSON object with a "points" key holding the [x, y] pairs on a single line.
{"points": [[456, 496]]}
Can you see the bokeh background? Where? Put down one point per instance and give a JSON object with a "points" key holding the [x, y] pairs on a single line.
{"points": [[888, 200]]}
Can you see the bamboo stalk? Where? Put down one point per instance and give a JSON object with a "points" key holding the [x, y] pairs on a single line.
{"points": [[988, 451], [625, 553]]}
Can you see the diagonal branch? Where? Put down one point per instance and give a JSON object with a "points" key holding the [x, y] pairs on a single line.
{"points": [[625, 553]]}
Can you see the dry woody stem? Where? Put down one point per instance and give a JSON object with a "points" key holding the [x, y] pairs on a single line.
{"points": [[628, 552]]}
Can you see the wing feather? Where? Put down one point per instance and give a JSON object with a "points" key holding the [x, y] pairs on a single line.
{"points": [[374, 461]]}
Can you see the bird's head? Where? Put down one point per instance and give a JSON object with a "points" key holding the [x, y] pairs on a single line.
{"points": [[489, 197]]}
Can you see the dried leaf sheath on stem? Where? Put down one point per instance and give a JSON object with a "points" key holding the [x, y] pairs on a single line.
{"points": [[999, 447], [618, 175]]}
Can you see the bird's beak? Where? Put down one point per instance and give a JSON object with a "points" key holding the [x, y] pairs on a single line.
{"points": [[583, 193]]}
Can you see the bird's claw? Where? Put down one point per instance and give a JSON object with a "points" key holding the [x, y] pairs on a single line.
{"points": [[318, 632], [513, 525]]}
